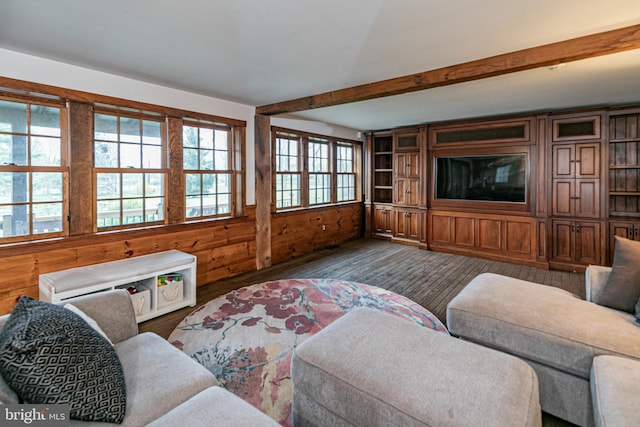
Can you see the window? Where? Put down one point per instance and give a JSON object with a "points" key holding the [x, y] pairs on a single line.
{"points": [[346, 175], [206, 156], [312, 170], [129, 167], [319, 176], [288, 174], [33, 173]]}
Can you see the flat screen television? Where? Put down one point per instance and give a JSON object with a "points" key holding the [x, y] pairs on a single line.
{"points": [[491, 178]]}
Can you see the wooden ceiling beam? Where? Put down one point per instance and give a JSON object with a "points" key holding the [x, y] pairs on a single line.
{"points": [[623, 39]]}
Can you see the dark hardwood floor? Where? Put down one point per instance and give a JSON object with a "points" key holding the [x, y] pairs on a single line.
{"points": [[429, 278]]}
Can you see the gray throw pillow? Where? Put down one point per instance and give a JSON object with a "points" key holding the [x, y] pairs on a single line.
{"points": [[49, 355], [622, 289]]}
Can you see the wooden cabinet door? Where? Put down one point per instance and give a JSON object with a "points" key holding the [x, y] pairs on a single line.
{"points": [[587, 198], [407, 165], [576, 160], [563, 203], [576, 184], [382, 219], [587, 161], [563, 233], [564, 161], [407, 191], [400, 223], [413, 224], [407, 224], [576, 242], [587, 242]]}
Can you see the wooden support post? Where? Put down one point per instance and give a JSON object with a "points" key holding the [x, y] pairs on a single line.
{"points": [[81, 183], [263, 191], [176, 186]]}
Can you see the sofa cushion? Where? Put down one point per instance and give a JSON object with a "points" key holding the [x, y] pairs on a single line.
{"points": [[622, 290], [615, 385], [218, 406], [84, 316], [540, 323], [50, 355], [159, 377]]}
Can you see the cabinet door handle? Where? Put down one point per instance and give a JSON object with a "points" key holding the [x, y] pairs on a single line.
{"points": [[407, 191], [573, 228], [407, 214], [577, 228], [637, 231]]}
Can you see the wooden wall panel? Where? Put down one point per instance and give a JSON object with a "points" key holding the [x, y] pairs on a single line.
{"points": [[489, 234], [224, 248], [299, 232], [510, 238], [465, 231], [440, 231], [520, 236]]}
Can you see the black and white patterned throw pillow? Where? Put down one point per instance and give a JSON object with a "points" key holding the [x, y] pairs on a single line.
{"points": [[50, 355]]}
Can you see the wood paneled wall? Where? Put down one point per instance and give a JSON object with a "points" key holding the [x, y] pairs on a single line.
{"points": [[224, 248], [299, 232]]}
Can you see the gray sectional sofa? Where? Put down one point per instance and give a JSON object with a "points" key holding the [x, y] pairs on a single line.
{"points": [[164, 386], [559, 335]]}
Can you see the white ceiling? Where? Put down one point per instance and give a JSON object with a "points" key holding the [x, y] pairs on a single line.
{"points": [[260, 52]]}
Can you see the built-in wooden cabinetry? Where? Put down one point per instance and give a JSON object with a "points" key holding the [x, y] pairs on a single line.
{"points": [[501, 237], [382, 188], [382, 168], [576, 180], [397, 186], [382, 220], [582, 187], [407, 186], [576, 242], [624, 176], [407, 224], [576, 148]]}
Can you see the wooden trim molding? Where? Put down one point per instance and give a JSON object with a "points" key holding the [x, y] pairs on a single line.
{"points": [[31, 88], [605, 43]]}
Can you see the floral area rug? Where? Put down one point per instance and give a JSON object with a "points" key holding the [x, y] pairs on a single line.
{"points": [[246, 337]]}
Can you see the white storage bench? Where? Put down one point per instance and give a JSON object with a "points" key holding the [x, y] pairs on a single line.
{"points": [[147, 273]]}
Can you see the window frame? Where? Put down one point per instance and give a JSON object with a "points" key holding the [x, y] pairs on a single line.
{"points": [[353, 172], [30, 169], [288, 173], [306, 171], [123, 170], [229, 171]]}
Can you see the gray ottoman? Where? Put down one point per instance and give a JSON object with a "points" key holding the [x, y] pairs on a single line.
{"points": [[615, 386], [373, 369]]}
